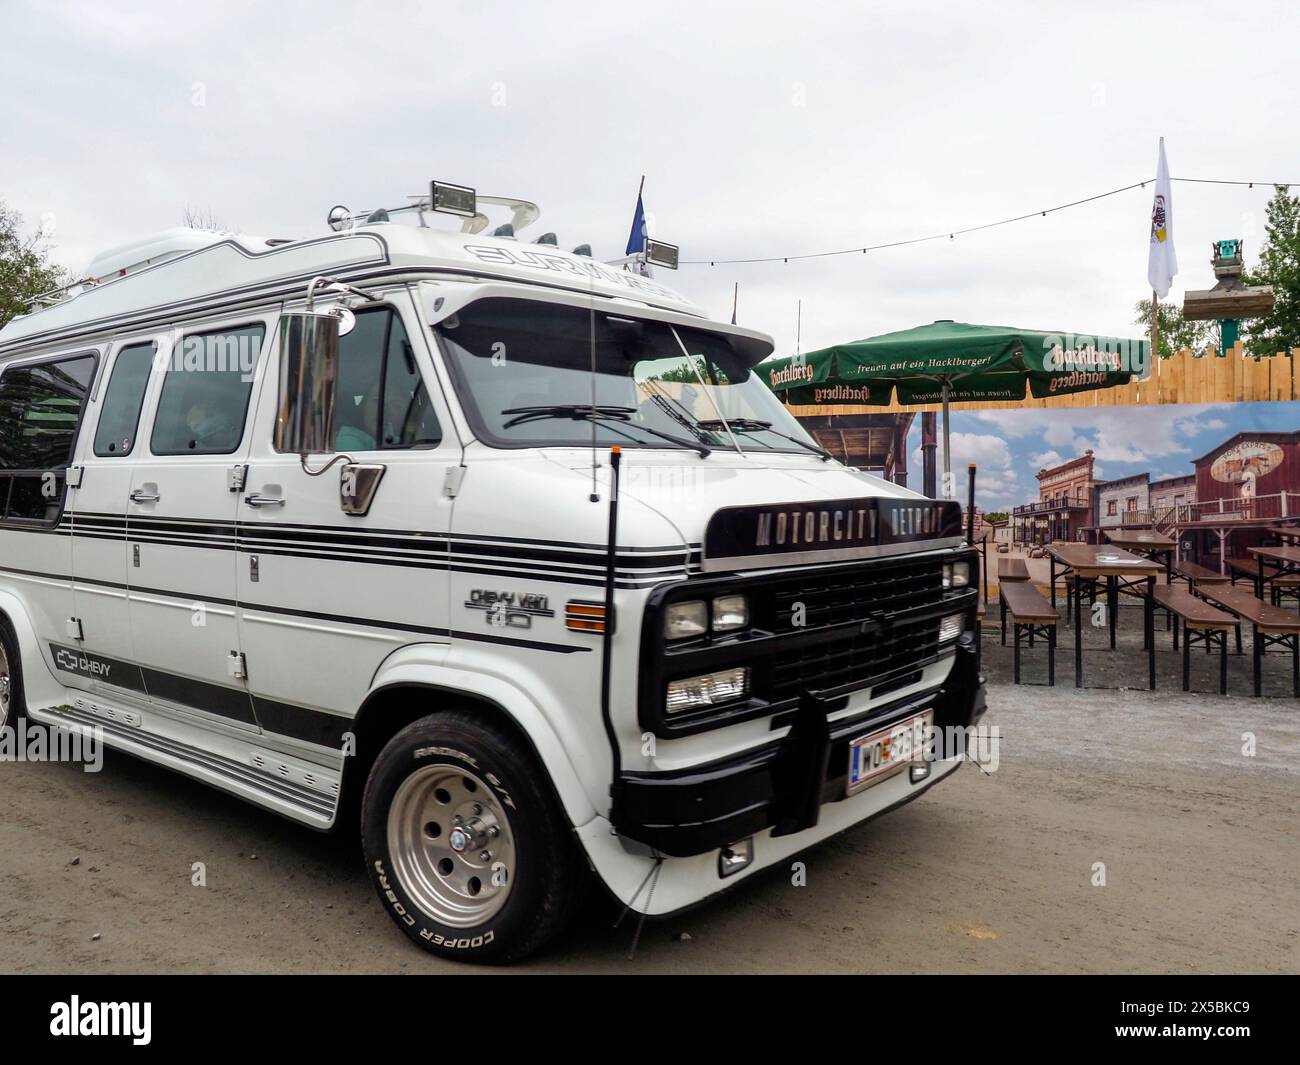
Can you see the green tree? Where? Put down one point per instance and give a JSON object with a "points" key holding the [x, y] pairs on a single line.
{"points": [[25, 267], [1176, 332], [995, 516], [1279, 266]]}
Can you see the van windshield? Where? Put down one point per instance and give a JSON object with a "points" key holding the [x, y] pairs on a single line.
{"points": [[523, 370]]}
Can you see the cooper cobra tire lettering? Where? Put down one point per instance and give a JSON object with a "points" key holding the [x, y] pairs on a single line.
{"points": [[546, 881]]}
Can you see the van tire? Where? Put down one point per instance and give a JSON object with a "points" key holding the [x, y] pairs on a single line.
{"points": [[12, 703], [455, 794]]}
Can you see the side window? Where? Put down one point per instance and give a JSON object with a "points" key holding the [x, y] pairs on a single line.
{"points": [[204, 399], [408, 418], [382, 401], [41, 406], [119, 414]]}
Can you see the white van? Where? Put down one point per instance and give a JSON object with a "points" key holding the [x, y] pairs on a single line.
{"points": [[504, 553]]}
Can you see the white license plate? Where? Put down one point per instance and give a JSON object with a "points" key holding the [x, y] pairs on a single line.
{"points": [[876, 754]]}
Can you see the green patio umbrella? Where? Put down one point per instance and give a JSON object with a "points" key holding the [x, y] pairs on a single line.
{"points": [[954, 362]]}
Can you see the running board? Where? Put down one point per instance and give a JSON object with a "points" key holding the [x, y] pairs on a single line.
{"points": [[292, 787]]}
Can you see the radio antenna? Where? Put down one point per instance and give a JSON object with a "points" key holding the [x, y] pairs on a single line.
{"points": [[591, 336]]}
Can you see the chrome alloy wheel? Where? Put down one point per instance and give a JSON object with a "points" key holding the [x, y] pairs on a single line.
{"points": [[451, 845], [6, 683]]}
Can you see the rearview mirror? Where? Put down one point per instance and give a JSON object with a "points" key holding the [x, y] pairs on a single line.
{"points": [[309, 361]]}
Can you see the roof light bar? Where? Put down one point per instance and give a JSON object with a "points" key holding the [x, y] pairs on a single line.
{"points": [[459, 200], [657, 253]]}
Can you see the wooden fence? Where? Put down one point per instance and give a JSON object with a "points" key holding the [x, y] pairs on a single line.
{"points": [[1182, 378]]}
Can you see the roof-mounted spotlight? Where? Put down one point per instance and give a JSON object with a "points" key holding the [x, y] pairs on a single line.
{"points": [[549, 239], [583, 249], [506, 230], [339, 218], [453, 199], [657, 253]]}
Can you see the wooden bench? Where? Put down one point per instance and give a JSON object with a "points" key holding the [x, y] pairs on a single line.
{"points": [[1012, 569], [1201, 623], [1286, 586], [1243, 569], [1272, 627], [1194, 573], [1031, 615]]}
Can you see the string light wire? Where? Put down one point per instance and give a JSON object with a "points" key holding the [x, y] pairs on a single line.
{"points": [[952, 234]]}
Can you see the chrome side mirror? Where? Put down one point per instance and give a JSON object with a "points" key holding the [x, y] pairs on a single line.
{"points": [[309, 362]]}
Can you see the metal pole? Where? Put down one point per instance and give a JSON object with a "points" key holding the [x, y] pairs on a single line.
{"points": [[1155, 327], [607, 637], [947, 445], [970, 507]]}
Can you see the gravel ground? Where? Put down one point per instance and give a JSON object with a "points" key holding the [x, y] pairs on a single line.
{"points": [[990, 872]]}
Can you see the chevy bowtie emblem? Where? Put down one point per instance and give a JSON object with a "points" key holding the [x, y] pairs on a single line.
{"points": [[874, 625]]}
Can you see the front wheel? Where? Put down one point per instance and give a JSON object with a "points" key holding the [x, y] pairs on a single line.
{"points": [[11, 676], [465, 843]]}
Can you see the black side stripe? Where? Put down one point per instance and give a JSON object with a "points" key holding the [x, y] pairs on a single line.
{"points": [[576, 563], [312, 615], [668, 557], [234, 704]]}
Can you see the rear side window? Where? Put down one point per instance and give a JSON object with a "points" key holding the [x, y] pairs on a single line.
{"points": [[205, 393], [119, 414], [41, 407]]}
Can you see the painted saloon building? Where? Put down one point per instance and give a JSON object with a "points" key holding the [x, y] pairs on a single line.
{"points": [[1244, 485], [1064, 507]]}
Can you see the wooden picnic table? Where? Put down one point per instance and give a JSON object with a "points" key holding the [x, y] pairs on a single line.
{"points": [[1279, 560], [1150, 545], [1122, 572], [1289, 533]]}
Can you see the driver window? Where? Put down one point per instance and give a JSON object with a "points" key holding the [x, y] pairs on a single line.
{"points": [[381, 398]]}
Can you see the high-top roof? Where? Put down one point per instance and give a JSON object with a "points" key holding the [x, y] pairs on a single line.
{"points": [[186, 275]]}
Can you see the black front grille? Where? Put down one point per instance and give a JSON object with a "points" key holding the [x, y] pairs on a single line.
{"points": [[853, 595], [830, 631], [856, 661], [873, 591]]}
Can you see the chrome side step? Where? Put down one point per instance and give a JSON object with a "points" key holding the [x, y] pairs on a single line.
{"points": [[294, 788]]}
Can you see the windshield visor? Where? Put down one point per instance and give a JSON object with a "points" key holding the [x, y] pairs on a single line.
{"points": [[524, 372]]}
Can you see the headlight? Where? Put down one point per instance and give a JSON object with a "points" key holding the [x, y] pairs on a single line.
{"points": [[709, 690], [956, 575], [730, 612], [686, 619], [951, 627]]}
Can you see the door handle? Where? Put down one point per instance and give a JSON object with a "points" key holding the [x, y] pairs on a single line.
{"points": [[141, 496], [264, 501]]}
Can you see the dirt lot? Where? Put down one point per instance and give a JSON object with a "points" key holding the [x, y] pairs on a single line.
{"points": [[987, 873]]}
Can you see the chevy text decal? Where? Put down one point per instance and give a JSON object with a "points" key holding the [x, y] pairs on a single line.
{"points": [[97, 667], [824, 528]]}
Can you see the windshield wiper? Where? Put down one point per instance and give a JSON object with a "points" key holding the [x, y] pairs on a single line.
{"points": [[754, 425], [611, 416]]}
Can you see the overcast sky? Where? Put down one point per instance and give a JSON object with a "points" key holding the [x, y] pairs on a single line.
{"points": [[762, 129]]}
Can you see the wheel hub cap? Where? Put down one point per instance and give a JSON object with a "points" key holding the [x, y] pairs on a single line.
{"points": [[452, 848]]}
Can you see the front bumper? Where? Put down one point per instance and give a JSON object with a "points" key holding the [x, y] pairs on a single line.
{"points": [[783, 785]]}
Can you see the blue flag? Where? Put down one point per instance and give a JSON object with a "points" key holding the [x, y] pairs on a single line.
{"points": [[636, 239]]}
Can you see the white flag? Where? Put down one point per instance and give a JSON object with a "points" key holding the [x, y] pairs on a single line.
{"points": [[1162, 263]]}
